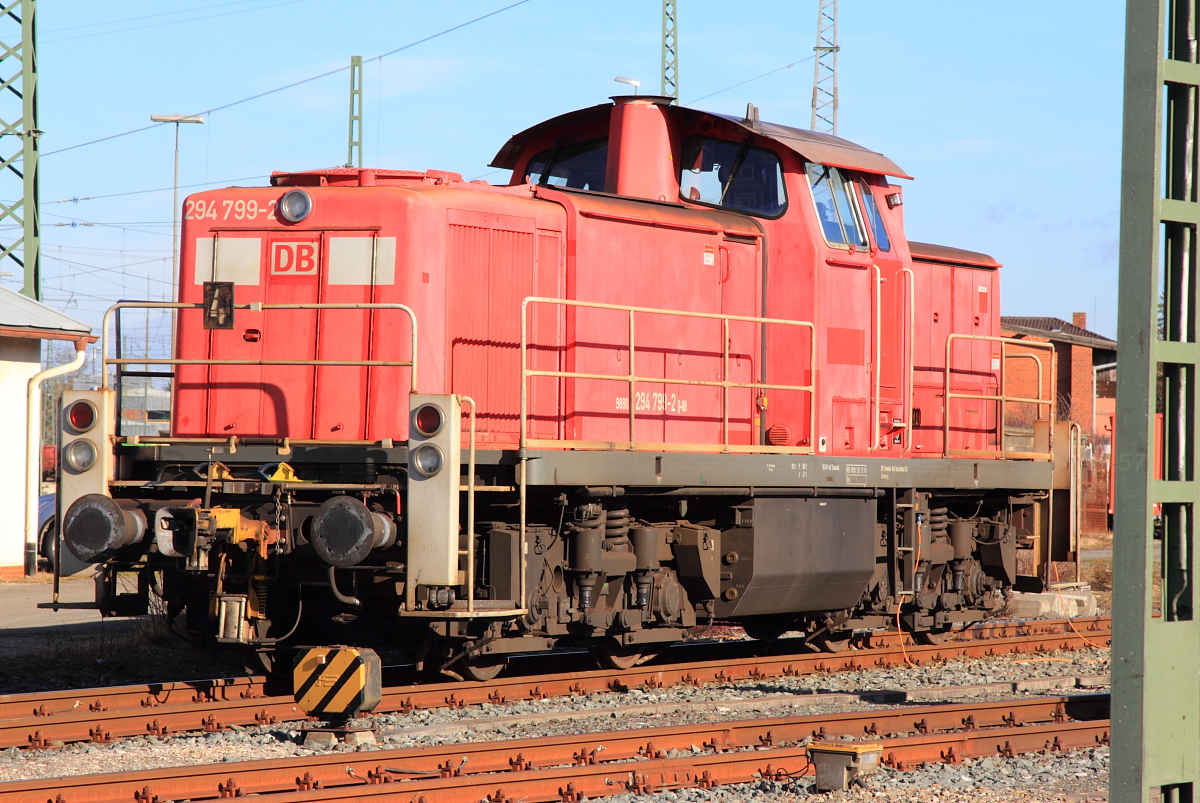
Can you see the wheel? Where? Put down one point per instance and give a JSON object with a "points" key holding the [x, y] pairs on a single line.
{"points": [[610, 654], [483, 668], [765, 629], [932, 636], [833, 642]]}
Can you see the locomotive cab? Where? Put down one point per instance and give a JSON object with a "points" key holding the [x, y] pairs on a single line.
{"points": [[683, 368]]}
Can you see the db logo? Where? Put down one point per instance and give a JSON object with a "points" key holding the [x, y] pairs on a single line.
{"points": [[294, 258]]}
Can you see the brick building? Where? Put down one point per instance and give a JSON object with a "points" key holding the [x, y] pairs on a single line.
{"points": [[1086, 365], [1087, 394]]}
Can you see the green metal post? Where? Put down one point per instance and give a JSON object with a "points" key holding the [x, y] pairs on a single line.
{"points": [[354, 150], [670, 50], [1156, 638], [18, 74]]}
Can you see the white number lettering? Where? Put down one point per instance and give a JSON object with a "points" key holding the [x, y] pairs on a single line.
{"points": [[252, 209], [239, 209], [228, 204]]}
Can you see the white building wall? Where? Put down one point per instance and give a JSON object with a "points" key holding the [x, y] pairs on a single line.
{"points": [[20, 359]]}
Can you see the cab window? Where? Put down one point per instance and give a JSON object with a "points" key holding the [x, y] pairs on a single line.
{"points": [[837, 211], [732, 175], [874, 219], [580, 166]]}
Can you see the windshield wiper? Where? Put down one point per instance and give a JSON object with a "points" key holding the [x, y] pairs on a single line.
{"points": [[737, 165]]}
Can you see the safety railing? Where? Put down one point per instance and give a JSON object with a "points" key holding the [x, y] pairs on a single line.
{"points": [[632, 380], [119, 362], [1002, 399]]}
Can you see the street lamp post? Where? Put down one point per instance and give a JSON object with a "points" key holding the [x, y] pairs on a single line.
{"points": [[176, 119]]}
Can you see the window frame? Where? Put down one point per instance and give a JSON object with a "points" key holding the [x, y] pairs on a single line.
{"points": [[864, 187], [597, 143], [855, 203], [782, 176]]}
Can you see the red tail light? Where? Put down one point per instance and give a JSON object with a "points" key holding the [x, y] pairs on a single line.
{"points": [[82, 416], [429, 419]]}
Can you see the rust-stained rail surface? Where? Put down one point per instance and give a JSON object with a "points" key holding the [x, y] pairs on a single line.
{"points": [[600, 764], [40, 720]]}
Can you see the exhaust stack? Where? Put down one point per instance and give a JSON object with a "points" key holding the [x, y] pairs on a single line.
{"points": [[640, 164]]}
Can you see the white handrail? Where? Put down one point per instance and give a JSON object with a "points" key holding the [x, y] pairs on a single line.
{"points": [[631, 378], [257, 307]]}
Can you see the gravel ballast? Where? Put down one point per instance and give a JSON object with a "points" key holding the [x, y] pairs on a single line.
{"points": [[1056, 673]]}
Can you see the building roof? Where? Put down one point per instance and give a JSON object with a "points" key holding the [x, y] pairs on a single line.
{"points": [[21, 316], [1057, 330]]}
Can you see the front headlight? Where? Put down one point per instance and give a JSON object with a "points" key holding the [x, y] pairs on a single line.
{"points": [[295, 205], [80, 455], [427, 459]]}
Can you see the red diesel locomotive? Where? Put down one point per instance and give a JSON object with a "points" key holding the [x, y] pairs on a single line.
{"points": [[684, 367]]}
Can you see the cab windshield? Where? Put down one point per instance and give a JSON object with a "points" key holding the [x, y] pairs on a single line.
{"points": [[732, 175]]}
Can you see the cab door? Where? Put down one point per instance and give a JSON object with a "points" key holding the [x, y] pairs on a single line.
{"points": [[890, 348]]}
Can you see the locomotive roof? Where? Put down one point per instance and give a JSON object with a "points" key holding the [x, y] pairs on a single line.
{"points": [[811, 145]]}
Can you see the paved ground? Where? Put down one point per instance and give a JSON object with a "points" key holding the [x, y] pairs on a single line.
{"points": [[21, 619]]}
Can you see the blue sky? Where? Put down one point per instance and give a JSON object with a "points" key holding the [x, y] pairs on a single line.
{"points": [[1007, 114]]}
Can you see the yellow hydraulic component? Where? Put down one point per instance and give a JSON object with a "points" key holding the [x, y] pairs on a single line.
{"points": [[284, 473], [215, 472], [337, 682], [212, 519]]}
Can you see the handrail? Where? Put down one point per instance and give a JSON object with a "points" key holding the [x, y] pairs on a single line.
{"points": [[255, 307], [911, 285], [632, 379], [1002, 398], [876, 359], [471, 509]]}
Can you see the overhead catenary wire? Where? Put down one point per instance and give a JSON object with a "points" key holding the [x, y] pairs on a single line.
{"points": [[149, 16], [748, 80], [172, 22], [294, 84]]}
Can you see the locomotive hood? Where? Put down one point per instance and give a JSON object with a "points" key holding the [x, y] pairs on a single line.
{"points": [[809, 145]]}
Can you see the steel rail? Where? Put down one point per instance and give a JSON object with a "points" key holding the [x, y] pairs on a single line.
{"points": [[607, 762], [41, 720]]}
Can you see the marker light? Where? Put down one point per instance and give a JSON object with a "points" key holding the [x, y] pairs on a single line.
{"points": [[80, 455], [427, 460], [81, 416], [429, 419], [295, 205]]}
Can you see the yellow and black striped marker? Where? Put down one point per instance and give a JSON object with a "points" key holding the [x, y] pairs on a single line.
{"points": [[336, 682]]}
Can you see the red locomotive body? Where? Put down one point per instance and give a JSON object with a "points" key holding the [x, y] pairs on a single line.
{"points": [[672, 332]]}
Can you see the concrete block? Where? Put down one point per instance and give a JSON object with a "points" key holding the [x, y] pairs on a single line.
{"points": [[360, 737], [1053, 605], [1041, 684], [320, 740]]}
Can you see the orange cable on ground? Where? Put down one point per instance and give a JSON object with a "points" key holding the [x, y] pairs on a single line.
{"points": [[1071, 624]]}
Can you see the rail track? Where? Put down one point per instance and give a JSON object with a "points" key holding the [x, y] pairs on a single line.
{"points": [[566, 768], [103, 715]]}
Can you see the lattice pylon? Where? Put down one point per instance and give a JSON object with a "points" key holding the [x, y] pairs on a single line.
{"points": [[354, 148], [825, 87], [19, 141], [670, 50]]}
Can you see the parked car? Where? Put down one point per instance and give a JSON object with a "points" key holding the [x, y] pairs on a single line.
{"points": [[47, 532]]}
